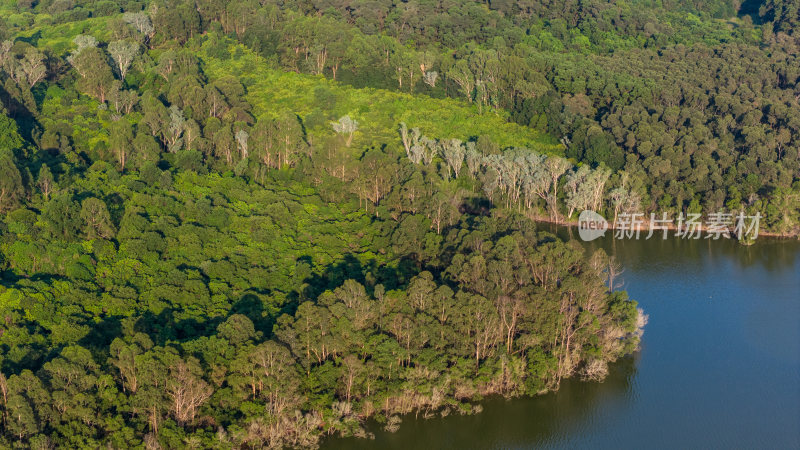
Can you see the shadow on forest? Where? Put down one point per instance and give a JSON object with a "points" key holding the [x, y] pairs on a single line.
{"points": [[165, 327], [251, 306], [170, 325], [25, 118], [101, 335], [9, 278], [351, 268], [32, 39], [751, 8]]}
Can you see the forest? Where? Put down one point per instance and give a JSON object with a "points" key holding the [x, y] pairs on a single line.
{"points": [[258, 224]]}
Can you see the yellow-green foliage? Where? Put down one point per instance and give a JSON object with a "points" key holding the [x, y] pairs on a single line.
{"points": [[58, 38], [81, 113], [378, 111]]}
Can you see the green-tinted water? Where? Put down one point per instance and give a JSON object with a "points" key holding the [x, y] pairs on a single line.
{"points": [[719, 365]]}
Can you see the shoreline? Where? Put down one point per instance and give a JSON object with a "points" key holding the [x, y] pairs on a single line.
{"points": [[645, 227]]}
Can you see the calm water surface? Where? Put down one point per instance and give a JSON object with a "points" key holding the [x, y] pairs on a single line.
{"points": [[719, 364]]}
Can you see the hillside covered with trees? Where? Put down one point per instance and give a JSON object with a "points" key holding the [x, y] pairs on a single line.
{"points": [[257, 224]]}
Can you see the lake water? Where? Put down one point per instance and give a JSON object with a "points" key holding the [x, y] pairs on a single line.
{"points": [[719, 364]]}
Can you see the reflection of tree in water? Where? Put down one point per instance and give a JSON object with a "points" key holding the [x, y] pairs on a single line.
{"points": [[772, 253], [769, 252], [550, 420]]}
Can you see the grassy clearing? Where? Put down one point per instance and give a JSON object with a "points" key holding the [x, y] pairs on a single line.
{"points": [[379, 111]]}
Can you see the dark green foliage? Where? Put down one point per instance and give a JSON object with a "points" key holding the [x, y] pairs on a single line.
{"points": [[784, 15], [192, 257]]}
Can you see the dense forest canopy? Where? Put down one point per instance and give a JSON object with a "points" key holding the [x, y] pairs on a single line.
{"points": [[256, 224]]}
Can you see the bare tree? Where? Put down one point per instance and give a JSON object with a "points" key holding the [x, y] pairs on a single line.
{"points": [[188, 393], [412, 143], [175, 130], [430, 78], [473, 158], [123, 52], [141, 22], [45, 181], [353, 369], [556, 166], [84, 41], [430, 149], [613, 271], [453, 152], [33, 66], [426, 61], [578, 191], [5, 51], [417, 153], [346, 126], [4, 394], [241, 140], [123, 100], [463, 77], [598, 179], [510, 309], [405, 137]]}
